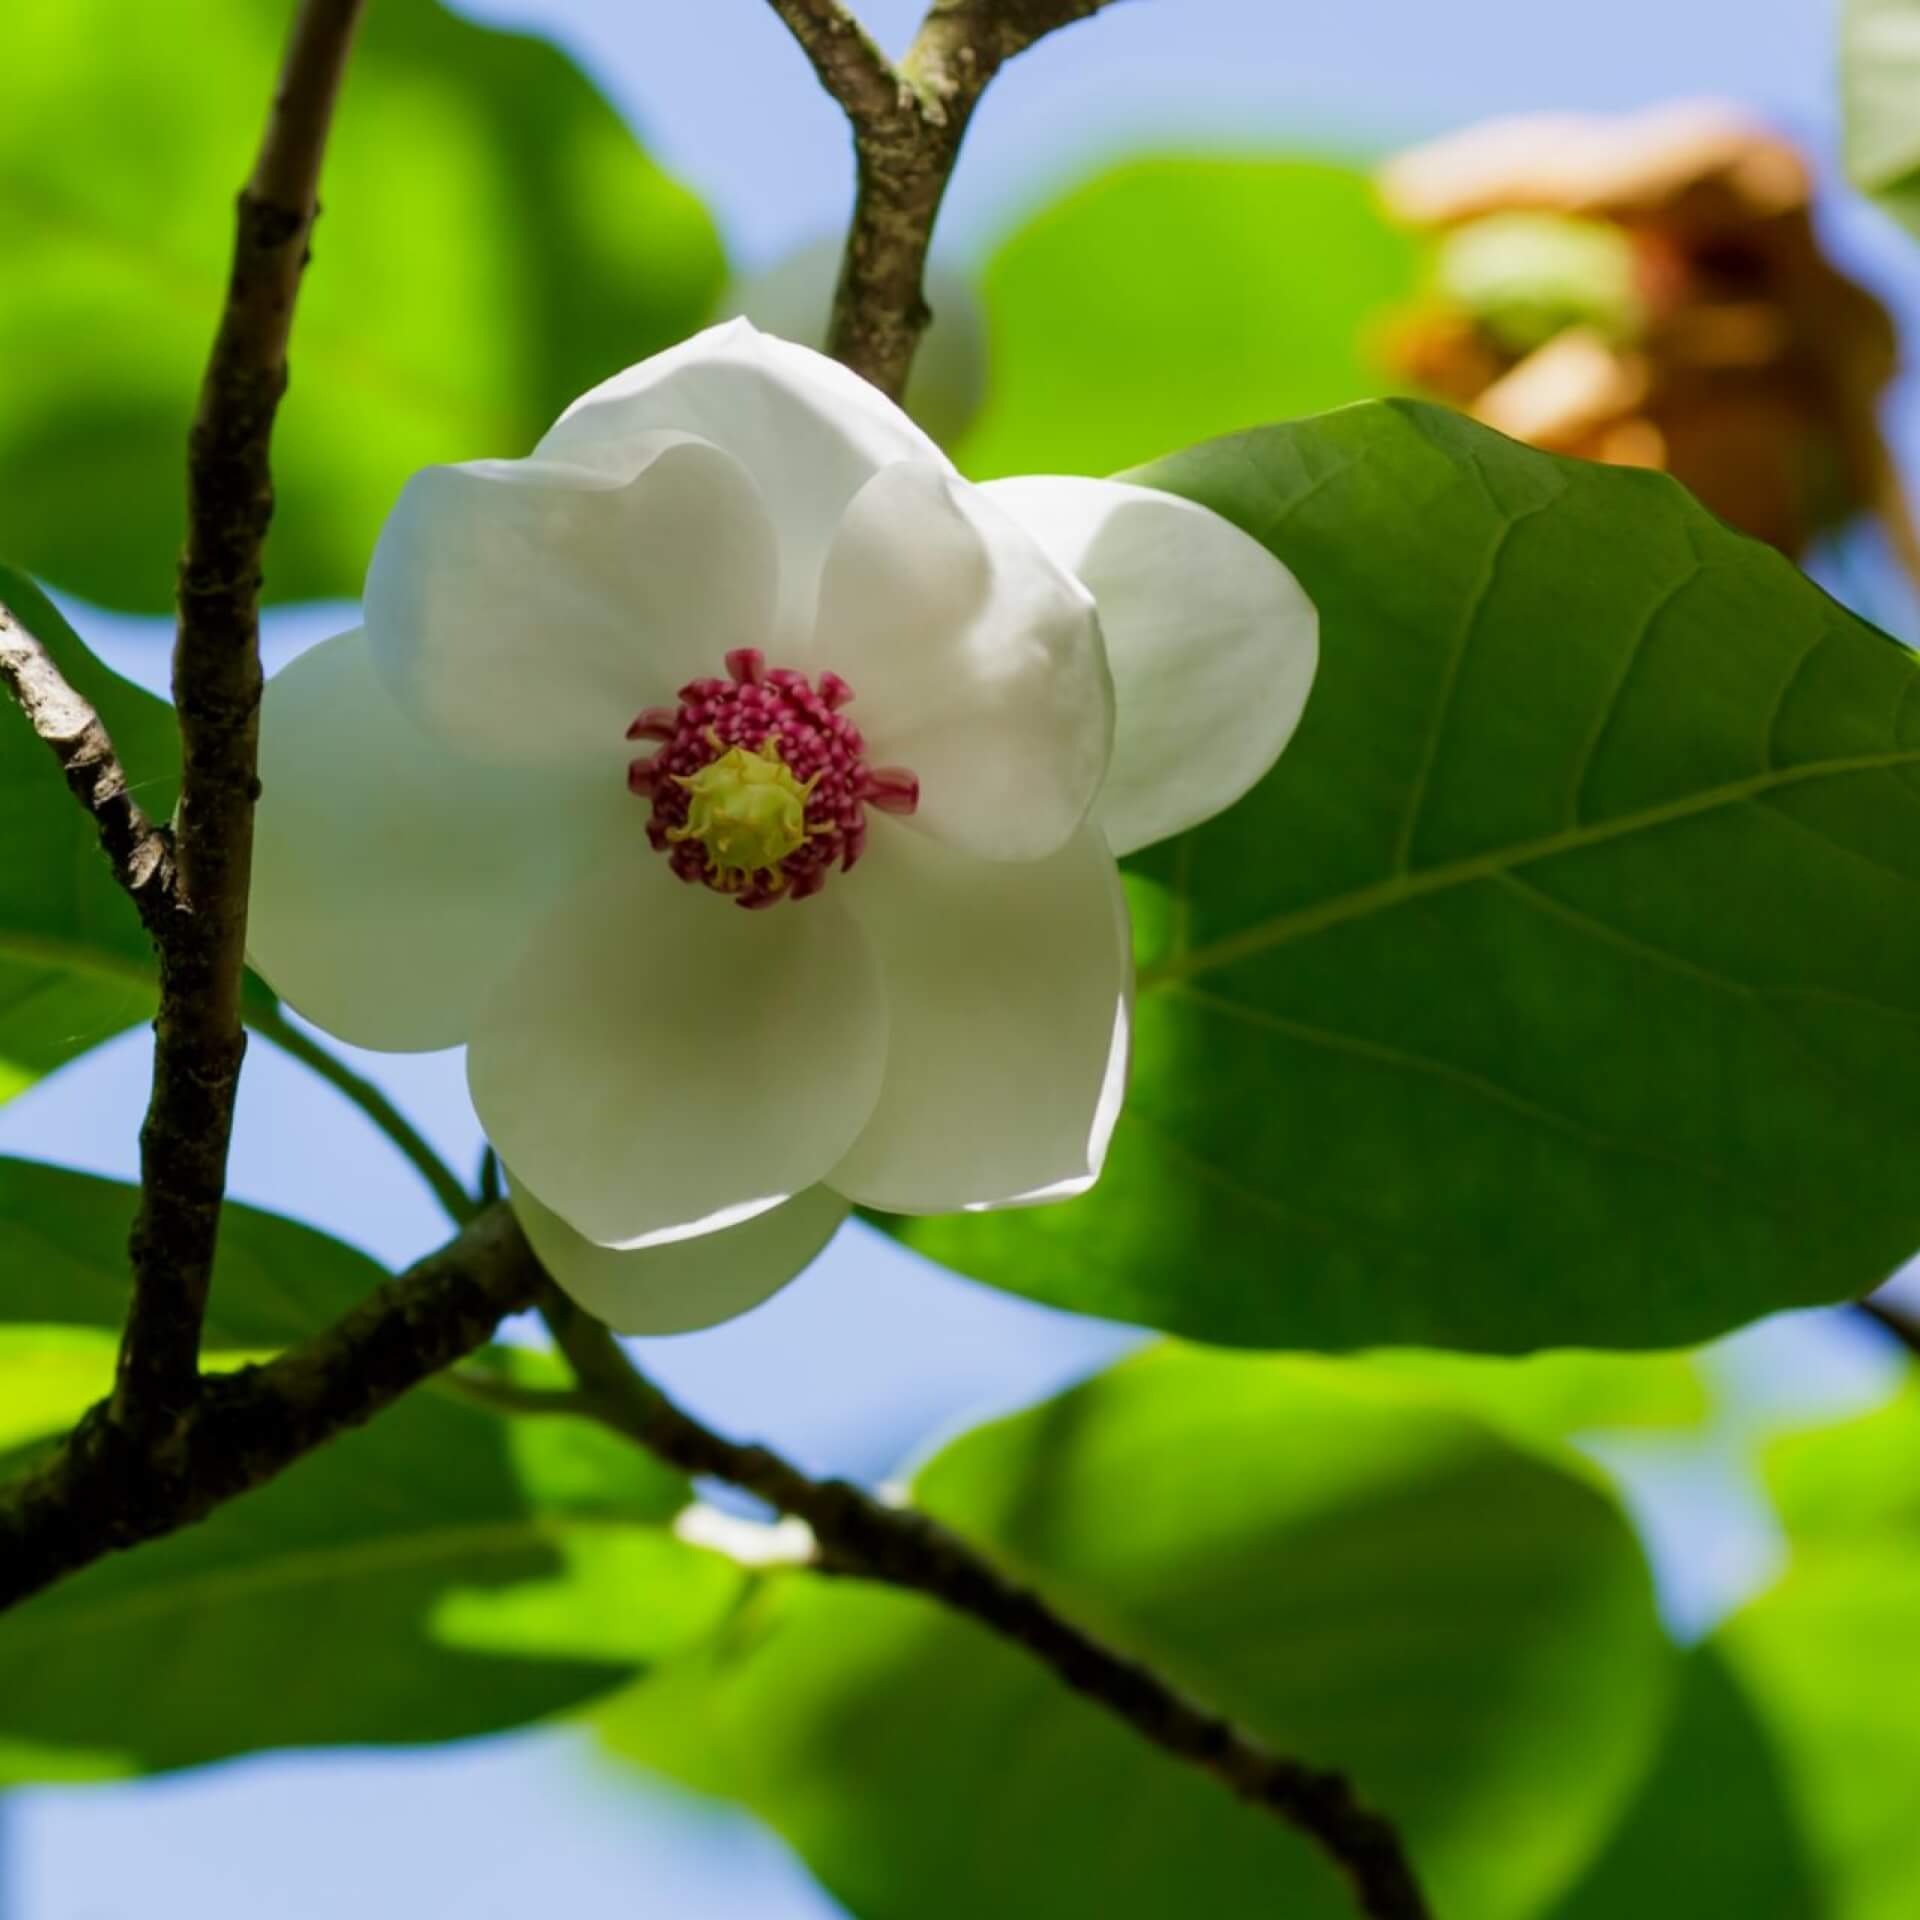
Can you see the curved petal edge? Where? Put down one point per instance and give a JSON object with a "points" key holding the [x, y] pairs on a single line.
{"points": [[688, 1284], [1212, 642]]}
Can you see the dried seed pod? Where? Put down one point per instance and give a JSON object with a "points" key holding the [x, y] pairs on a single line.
{"points": [[1649, 289]]}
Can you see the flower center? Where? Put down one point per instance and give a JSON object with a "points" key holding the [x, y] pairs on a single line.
{"points": [[761, 786], [746, 809]]}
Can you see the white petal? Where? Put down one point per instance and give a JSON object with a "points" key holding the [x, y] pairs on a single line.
{"points": [[794, 298], [811, 434], [1212, 642], [1008, 990], [393, 880], [529, 609], [974, 659], [661, 1062], [691, 1283]]}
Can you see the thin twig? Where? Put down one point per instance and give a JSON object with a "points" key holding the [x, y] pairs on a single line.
{"points": [[908, 123], [1892, 1319], [140, 853], [104, 1488], [216, 687], [459, 1205], [858, 1536]]}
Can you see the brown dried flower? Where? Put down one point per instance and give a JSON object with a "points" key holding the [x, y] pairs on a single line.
{"points": [[1649, 289]]}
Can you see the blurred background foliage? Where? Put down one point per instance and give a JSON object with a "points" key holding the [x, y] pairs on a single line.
{"points": [[1377, 1578], [494, 244], [1430, 1567], [1142, 366]]}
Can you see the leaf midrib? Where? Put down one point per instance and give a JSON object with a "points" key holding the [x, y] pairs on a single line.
{"points": [[1398, 888]]}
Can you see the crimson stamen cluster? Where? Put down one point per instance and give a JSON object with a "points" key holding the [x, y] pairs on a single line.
{"points": [[768, 711]]}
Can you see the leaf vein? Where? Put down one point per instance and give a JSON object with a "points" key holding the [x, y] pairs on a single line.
{"points": [[1900, 705], [1399, 888], [1590, 750], [1400, 1060], [1779, 709], [1764, 1000], [1260, 1200], [1456, 660]]}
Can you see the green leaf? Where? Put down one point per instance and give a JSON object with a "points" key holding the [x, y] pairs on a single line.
{"points": [[1880, 88], [1711, 1830], [1547, 1399], [1824, 1658], [439, 1574], [492, 244], [1853, 1480], [1556, 988], [1367, 1581], [49, 1377], [63, 1261], [1206, 295], [75, 963]]}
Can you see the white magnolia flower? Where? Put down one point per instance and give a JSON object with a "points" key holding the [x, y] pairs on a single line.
{"points": [[905, 722]]}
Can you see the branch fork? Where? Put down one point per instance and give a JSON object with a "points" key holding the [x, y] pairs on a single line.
{"points": [[908, 123]]}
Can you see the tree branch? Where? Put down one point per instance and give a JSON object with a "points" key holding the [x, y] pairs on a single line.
{"points": [[216, 687], [962, 44], [140, 853], [908, 123], [858, 1536], [105, 1488], [851, 67]]}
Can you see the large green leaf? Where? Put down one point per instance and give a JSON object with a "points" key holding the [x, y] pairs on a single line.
{"points": [[1559, 986], [1880, 84], [1205, 295], [492, 244], [1365, 1577], [1826, 1657], [75, 963], [1548, 1399], [439, 1574], [1711, 1830], [63, 1261]]}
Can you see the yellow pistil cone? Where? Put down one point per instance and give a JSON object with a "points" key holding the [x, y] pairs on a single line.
{"points": [[748, 811]]}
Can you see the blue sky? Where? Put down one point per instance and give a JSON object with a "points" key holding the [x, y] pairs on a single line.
{"points": [[874, 1353]]}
